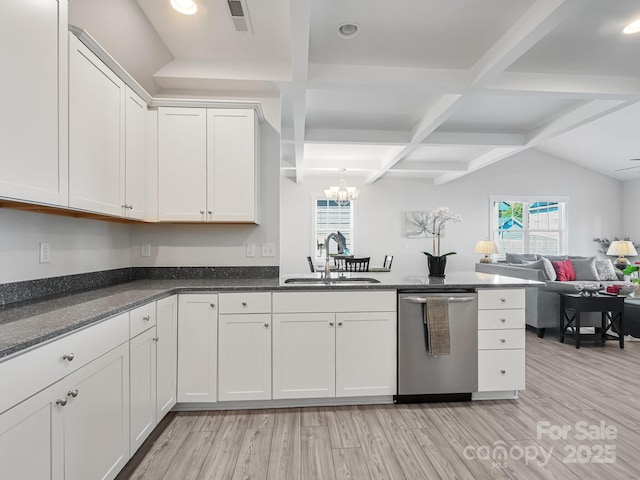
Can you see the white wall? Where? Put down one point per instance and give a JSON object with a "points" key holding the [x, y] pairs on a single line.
{"points": [[594, 210], [223, 245], [629, 210], [77, 245]]}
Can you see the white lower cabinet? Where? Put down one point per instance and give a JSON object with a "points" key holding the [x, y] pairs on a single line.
{"points": [[76, 429], [197, 347], [143, 387], [351, 352], [166, 355]]}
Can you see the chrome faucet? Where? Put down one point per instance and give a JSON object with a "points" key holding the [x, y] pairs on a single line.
{"points": [[327, 268]]}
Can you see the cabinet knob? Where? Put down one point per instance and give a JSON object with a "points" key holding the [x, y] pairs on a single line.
{"points": [[124, 206], [503, 340], [155, 339], [266, 324], [73, 393], [201, 212], [331, 324], [130, 207], [503, 300], [503, 372], [503, 320], [146, 318], [339, 324], [69, 356], [209, 212], [244, 304], [213, 305], [61, 401]]}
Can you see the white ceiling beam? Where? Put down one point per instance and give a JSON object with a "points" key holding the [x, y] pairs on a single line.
{"points": [[335, 164], [475, 139], [587, 87], [537, 22], [360, 137], [585, 113], [300, 11], [430, 166], [328, 76]]}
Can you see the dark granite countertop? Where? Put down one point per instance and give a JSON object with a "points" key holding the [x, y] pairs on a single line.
{"points": [[28, 324]]}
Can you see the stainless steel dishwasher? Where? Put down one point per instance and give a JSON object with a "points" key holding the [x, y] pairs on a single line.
{"points": [[423, 377]]}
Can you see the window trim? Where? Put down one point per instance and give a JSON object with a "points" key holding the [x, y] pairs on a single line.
{"points": [[314, 230], [564, 232]]}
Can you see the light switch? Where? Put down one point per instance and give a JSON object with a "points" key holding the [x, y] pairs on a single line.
{"points": [[251, 249], [268, 250], [45, 253], [145, 250]]}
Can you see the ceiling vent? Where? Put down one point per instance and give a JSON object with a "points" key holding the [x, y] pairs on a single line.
{"points": [[239, 16]]}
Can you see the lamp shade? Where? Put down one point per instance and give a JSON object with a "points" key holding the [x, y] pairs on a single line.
{"points": [[621, 248], [486, 247]]}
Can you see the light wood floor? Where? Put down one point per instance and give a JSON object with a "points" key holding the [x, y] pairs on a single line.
{"points": [[565, 386]]}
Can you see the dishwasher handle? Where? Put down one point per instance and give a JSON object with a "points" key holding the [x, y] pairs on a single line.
{"points": [[447, 299]]}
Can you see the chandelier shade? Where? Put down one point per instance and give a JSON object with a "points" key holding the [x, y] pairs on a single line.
{"points": [[342, 194]]}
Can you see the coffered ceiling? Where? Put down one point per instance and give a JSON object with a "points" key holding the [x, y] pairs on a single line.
{"points": [[426, 88]]}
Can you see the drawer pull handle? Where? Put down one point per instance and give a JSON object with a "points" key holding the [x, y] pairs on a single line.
{"points": [[146, 318], [244, 304], [503, 340], [266, 324], [503, 320], [331, 324], [503, 372], [503, 300], [69, 356], [61, 401], [73, 393], [155, 339]]}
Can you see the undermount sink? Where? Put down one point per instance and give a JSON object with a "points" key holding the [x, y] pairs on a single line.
{"points": [[331, 281]]}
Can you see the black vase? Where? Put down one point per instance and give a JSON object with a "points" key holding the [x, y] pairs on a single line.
{"points": [[436, 265]]}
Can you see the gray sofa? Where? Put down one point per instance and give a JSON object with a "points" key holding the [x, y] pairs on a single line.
{"points": [[543, 303]]}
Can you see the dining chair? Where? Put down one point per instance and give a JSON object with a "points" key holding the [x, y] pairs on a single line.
{"points": [[339, 261], [311, 266], [388, 259], [357, 264]]}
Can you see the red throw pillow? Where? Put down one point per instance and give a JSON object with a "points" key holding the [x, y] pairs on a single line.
{"points": [[564, 270]]}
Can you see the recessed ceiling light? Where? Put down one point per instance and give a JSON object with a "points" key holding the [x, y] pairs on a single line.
{"points": [[348, 30], [187, 7], [633, 27]]}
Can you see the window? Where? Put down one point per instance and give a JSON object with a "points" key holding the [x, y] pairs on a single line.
{"points": [[330, 217], [531, 225]]}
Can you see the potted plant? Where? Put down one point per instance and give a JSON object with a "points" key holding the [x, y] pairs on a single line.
{"points": [[438, 218]]}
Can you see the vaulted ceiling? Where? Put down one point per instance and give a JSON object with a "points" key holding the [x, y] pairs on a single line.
{"points": [[427, 88]]}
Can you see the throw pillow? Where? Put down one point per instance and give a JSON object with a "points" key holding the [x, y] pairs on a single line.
{"points": [[606, 271], [537, 265], [549, 271], [585, 268], [520, 257], [564, 270]]}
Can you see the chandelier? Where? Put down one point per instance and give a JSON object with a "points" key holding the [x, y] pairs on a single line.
{"points": [[342, 194]]}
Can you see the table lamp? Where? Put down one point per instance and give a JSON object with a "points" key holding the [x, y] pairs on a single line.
{"points": [[487, 247], [621, 248]]}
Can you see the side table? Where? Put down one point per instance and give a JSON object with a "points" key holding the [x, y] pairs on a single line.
{"points": [[610, 306]]}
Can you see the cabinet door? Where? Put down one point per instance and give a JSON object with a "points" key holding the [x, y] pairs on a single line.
{"points": [[30, 438], [231, 165], [33, 124], [365, 354], [142, 387], [96, 420], [197, 347], [303, 355], [244, 355], [182, 164], [96, 133], [166, 355], [135, 155]]}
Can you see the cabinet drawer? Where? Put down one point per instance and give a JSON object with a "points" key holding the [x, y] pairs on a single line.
{"points": [[310, 302], [500, 319], [36, 369], [245, 302], [142, 318], [500, 339], [500, 370], [497, 299]]}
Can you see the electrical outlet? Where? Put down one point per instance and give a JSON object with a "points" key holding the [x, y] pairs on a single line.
{"points": [[145, 250], [251, 249], [45, 253], [268, 250]]}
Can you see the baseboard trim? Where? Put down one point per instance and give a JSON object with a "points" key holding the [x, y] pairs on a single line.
{"points": [[502, 395], [288, 403]]}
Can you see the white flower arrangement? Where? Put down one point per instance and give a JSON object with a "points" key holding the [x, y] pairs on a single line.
{"points": [[438, 218]]}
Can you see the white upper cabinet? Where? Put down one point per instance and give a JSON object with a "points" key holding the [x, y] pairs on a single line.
{"points": [[231, 165], [33, 132], [96, 133], [135, 156], [207, 165], [182, 164]]}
